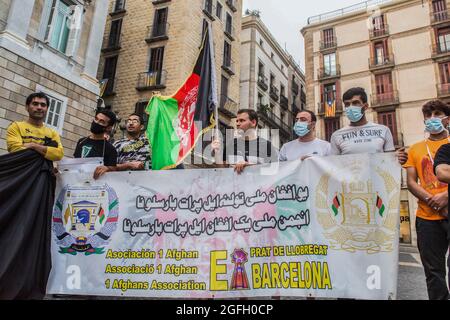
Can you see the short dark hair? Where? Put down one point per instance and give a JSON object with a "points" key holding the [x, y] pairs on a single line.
{"points": [[40, 95], [358, 91], [111, 115], [313, 115], [252, 115], [141, 119], [435, 105]]}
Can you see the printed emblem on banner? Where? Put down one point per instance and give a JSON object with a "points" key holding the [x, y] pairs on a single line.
{"points": [[239, 280], [356, 214], [84, 219]]}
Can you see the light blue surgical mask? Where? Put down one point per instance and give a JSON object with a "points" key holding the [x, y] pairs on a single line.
{"points": [[354, 113], [434, 125], [301, 128]]}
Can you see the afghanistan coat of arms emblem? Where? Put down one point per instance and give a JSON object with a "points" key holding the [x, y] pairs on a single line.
{"points": [[84, 219], [355, 216]]}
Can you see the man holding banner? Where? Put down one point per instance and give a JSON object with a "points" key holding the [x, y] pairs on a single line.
{"points": [[362, 136]]}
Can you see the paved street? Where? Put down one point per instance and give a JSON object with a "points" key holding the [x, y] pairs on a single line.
{"points": [[411, 277]]}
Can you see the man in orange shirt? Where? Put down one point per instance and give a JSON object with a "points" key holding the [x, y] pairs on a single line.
{"points": [[432, 212]]}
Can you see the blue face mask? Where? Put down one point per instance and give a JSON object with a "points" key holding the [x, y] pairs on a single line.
{"points": [[434, 125], [301, 128], [354, 113]]}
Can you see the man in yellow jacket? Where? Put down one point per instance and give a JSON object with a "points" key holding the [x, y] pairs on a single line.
{"points": [[33, 134]]}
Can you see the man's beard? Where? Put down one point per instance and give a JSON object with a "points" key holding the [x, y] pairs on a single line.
{"points": [[37, 117]]}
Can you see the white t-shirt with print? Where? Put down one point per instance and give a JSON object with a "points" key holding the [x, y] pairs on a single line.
{"points": [[368, 138], [296, 149]]}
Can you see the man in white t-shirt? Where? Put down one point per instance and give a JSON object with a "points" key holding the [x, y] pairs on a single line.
{"points": [[307, 145], [362, 136]]}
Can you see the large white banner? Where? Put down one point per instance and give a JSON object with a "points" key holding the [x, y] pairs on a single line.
{"points": [[324, 227]]}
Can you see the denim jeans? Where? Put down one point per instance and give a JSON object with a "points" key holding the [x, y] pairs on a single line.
{"points": [[433, 244]]}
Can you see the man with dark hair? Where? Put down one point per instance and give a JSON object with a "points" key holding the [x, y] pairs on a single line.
{"points": [[307, 144], [33, 134], [96, 145], [133, 151], [248, 149], [362, 136], [432, 211]]}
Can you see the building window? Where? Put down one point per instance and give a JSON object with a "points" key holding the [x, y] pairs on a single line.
{"points": [[444, 70], [156, 63], [331, 125], [229, 24], [119, 6], [389, 120], [61, 25], [109, 73], [378, 26], [272, 55], [328, 38], [209, 6], [140, 110], [160, 22], [219, 10], [261, 43], [380, 52], [224, 91], [329, 64], [384, 84], [440, 10], [114, 34], [282, 89], [56, 109], [444, 40], [227, 54], [261, 69]]}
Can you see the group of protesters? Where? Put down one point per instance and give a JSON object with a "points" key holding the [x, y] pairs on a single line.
{"points": [[427, 162]]}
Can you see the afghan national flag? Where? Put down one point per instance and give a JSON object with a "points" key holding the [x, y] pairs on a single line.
{"points": [[177, 122], [101, 215], [380, 205], [335, 206]]}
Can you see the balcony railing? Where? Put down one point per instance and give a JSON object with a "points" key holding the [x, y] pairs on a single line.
{"points": [[284, 102], [379, 31], [118, 7], [274, 93], [231, 4], [443, 90], [229, 31], [327, 73], [110, 88], [328, 45], [381, 62], [440, 48], [157, 32], [322, 108], [228, 106], [112, 43], [440, 17], [262, 82], [274, 121], [151, 80], [384, 99], [228, 66]]}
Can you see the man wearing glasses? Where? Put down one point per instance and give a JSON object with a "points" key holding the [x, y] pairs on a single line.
{"points": [[133, 152], [32, 133], [362, 136]]}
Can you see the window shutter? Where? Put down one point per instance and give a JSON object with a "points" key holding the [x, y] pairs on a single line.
{"points": [[75, 30], [44, 26]]}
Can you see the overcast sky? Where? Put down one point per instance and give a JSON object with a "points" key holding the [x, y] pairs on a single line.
{"points": [[285, 18]]}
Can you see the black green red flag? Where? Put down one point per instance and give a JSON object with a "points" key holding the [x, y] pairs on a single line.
{"points": [[177, 122]]}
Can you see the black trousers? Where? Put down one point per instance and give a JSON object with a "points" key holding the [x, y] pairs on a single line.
{"points": [[433, 244]]}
